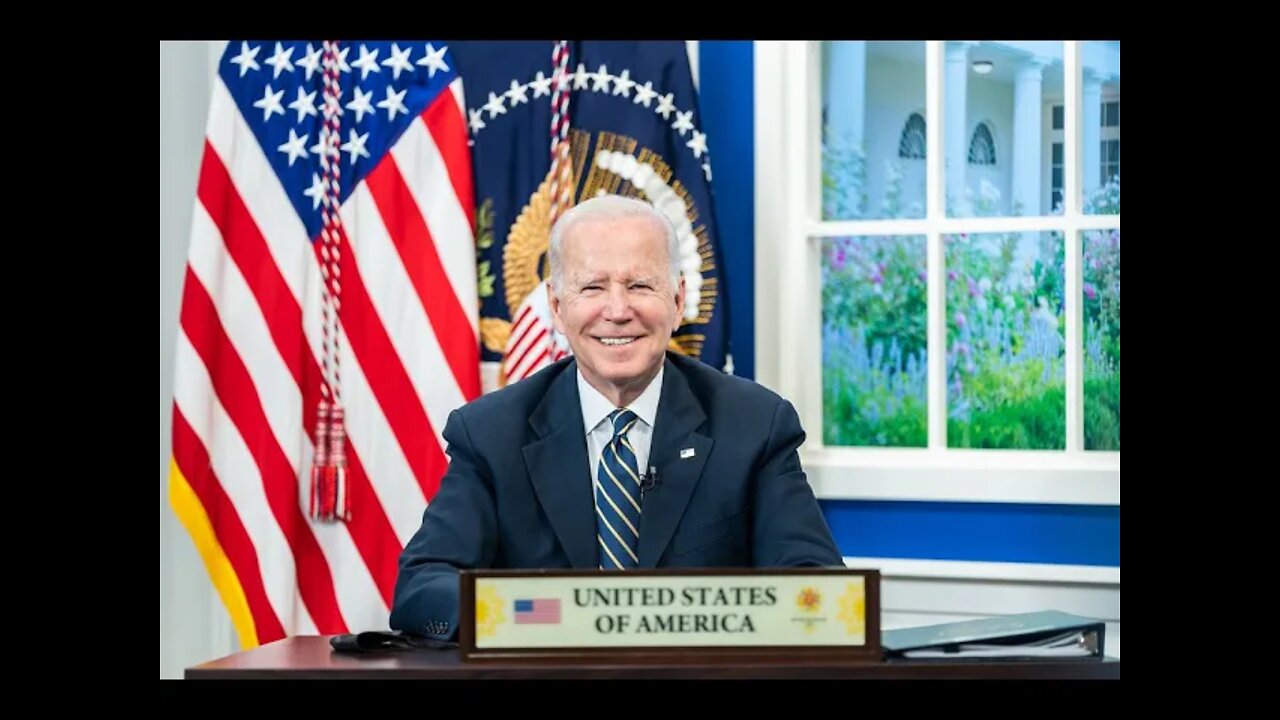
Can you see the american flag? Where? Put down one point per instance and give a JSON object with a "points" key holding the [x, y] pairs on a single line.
{"points": [[251, 345], [538, 611]]}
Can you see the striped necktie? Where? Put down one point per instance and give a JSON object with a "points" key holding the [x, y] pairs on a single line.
{"points": [[618, 497]]}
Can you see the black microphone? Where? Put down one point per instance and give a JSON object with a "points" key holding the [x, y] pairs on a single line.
{"points": [[648, 482]]}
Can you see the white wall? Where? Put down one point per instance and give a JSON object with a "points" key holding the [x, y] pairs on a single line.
{"points": [[194, 626], [991, 100], [894, 90]]}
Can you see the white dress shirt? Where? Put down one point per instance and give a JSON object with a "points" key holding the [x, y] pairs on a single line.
{"points": [[599, 431]]}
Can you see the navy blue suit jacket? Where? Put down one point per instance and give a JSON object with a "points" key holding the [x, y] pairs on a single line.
{"points": [[518, 492]]}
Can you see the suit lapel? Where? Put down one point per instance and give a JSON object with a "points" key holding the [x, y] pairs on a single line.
{"points": [[557, 465], [680, 416]]}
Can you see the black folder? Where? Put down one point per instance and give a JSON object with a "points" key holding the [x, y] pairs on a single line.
{"points": [[1048, 634]]}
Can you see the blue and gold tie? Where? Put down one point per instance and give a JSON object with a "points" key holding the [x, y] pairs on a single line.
{"points": [[618, 497]]}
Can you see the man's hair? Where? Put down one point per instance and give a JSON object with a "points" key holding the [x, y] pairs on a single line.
{"points": [[610, 206]]}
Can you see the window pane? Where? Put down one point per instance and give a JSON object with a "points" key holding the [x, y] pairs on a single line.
{"points": [[1057, 153], [1101, 339], [1111, 115], [873, 130], [1057, 117], [1100, 122], [1005, 346], [874, 369], [1007, 88]]}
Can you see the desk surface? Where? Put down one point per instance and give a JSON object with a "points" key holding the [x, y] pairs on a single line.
{"points": [[310, 656]]}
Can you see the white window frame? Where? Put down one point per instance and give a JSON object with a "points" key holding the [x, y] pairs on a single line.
{"points": [[789, 234]]}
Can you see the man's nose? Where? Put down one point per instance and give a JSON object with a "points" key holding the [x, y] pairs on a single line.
{"points": [[617, 304]]}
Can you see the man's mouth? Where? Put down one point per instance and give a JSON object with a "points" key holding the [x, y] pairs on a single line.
{"points": [[616, 341]]}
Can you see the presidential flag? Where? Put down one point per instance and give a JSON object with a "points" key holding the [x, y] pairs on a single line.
{"points": [[632, 129]]}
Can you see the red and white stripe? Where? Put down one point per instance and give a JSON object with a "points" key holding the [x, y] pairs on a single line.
{"points": [[248, 370], [533, 343]]}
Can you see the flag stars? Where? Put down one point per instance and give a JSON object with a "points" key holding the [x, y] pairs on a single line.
{"points": [[645, 94], [682, 122], [581, 76], [698, 144], [393, 102], [305, 103], [270, 103], [495, 106], [602, 78], [666, 106], [518, 93], [319, 148], [295, 147], [367, 63], [281, 60], [246, 59], [434, 60], [541, 85], [316, 191], [398, 61], [311, 60], [361, 106], [623, 84], [355, 146], [342, 59]]}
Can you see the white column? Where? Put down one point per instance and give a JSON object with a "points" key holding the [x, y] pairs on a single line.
{"points": [[1091, 119], [955, 137], [1027, 102], [846, 92]]}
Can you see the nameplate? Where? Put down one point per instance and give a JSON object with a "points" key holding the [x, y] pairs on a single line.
{"points": [[776, 612]]}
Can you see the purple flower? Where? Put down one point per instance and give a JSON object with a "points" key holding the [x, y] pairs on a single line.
{"points": [[1090, 292], [961, 319]]}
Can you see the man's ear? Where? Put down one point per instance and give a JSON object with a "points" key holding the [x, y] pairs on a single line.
{"points": [[553, 301], [679, 303]]}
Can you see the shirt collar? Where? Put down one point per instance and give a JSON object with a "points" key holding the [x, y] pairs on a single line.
{"points": [[596, 407]]}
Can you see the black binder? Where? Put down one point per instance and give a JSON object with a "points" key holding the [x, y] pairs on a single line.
{"points": [[1042, 635]]}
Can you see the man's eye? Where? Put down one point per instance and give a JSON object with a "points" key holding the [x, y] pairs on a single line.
{"points": [[590, 287], [642, 286]]}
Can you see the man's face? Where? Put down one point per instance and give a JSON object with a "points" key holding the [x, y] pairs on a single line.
{"points": [[617, 307]]}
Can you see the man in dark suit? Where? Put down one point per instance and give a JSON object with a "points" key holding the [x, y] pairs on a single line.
{"points": [[620, 456]]}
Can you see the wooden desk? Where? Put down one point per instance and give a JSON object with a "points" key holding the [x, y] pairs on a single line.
{"points": [[310, 657]]}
